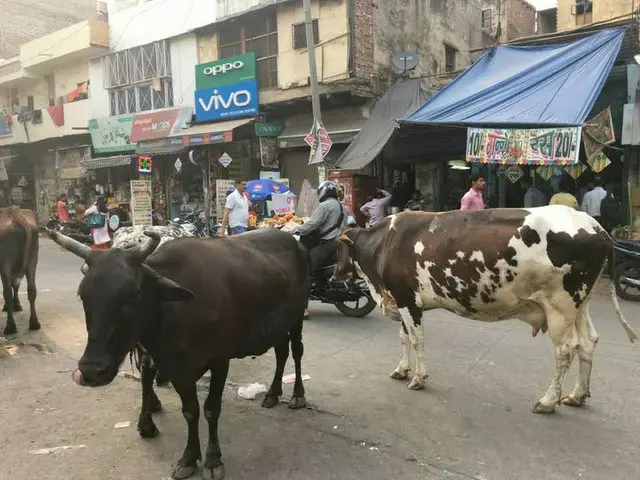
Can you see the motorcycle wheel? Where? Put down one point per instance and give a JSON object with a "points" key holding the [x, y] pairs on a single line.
{"points": [[359, 310], [627, 269]]}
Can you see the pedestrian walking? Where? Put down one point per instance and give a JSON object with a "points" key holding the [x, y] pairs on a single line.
{"points": [[564, 197], [62, 209], [236, 211], [592, 200], [97, 215], [375, 209], [473, 200]]}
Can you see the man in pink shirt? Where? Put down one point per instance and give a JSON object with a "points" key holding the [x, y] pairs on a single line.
{"points": [[473, 200]]}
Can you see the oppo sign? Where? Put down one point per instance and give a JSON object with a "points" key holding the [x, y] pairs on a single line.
{"points": [[222, 68]]}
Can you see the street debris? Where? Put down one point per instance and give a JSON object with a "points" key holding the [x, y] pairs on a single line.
{"points": [[11, 349], [122, 425], [251, 390], [291, 378], [46, 451], [130, 376]]}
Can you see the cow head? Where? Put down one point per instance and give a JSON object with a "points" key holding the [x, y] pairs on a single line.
{"points": [[346, 267], [121, 296]]}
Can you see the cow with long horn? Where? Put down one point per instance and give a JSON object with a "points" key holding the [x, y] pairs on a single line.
{"points": [[190, 321]]}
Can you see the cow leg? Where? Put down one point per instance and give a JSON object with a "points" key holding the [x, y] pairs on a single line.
{"points": [[412, 320], [188, 464], [17, 307], [213, 467], [32, 291], [402, 370], [298, 399], [275, 390], [587, 340], [150, 402], [564, 337], [7, 292]]}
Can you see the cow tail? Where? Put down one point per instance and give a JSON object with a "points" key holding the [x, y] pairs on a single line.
{"points": [[623, 321]]}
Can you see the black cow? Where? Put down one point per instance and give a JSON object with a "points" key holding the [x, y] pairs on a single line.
{"points": [[19, 246], [192, 306]]}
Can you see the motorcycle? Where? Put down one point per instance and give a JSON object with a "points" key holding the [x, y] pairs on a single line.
{"points": [[191, 223], [75, 229], [352, 298], [626, 272]]}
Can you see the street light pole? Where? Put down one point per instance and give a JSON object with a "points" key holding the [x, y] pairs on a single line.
{"points": [[313, 75]]}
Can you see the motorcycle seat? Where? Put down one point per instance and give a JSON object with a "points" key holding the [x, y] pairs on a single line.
{"points": [[628, 245]]}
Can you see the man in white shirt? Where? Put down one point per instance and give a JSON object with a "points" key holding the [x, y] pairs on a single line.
{"points": [[236, 211], [593, 199]]}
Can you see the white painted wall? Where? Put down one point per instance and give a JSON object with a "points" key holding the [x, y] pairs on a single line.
{"points": [[184, 57], [98, 95], [67, 77]]}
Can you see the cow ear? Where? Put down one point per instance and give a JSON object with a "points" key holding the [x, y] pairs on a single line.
{"points": [[170, 291], [346, 240]]}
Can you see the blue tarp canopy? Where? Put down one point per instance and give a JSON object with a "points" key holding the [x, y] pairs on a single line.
{"points": [[549, 85]]}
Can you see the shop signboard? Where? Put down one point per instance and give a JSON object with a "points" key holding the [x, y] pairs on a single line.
{"points": [[157, 124], [201, 139], [141, 203], [544, 146], [283, 203], [227, 101], [5, 127], [226, 71], [264, 129], [112, 134]]}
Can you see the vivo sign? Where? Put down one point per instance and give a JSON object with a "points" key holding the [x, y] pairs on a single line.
{"points": [[228, 101]]}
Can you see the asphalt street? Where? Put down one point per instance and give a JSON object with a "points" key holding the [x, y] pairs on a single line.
{"points": [[473, 421]]}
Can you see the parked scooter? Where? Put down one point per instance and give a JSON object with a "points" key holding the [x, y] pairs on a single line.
{"points": [[191, 223], [75, 229], [626, 273]]}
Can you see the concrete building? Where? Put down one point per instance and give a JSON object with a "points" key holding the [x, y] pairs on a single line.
{"points": [[26, 20], [507, 20], [576, 13], [44, 112]]}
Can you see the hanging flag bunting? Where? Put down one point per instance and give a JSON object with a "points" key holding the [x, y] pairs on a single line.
{"points": [[598, 132], [599, 162], [514, 173], [545, 172], [575, 170]]}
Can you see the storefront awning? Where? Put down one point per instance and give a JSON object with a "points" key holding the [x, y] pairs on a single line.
{"points": [[403, 98], [526, 86], [106, 162], [206, 133]]}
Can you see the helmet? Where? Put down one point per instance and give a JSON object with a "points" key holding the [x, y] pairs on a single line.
{"points": [[327, 189]]}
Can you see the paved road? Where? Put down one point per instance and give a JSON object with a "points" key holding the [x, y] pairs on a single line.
{"points": [[472, 422]]}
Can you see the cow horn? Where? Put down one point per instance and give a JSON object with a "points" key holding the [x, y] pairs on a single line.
{"points": [[77, 248], [150, 245]]}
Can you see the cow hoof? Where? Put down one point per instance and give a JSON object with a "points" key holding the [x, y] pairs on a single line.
{"points": [[148, 431], [34, 325], [10, 330], [416, 383], [297, 403], [156, 406], [270, 401], [184, 471], [215, 473], [541, 408], [396, 375], [574, 402]]}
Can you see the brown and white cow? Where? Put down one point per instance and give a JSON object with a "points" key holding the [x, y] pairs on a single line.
{"points": [[537, 265]]}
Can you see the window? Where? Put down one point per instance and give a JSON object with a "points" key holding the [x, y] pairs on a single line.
{"points": [[141, 98], [139, 79], [486, 18], [583, 6], [450, 54], [259, 34], [300, 34]]}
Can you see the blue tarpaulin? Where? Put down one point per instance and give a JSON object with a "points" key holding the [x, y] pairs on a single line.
{"points": [[550, 85]]}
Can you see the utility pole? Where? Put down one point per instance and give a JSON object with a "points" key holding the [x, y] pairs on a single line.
{"points": [[313, 75]]}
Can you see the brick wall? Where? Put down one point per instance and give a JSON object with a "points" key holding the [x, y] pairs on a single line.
{"points": [[521, 19], [29, 19], [363, 38]]}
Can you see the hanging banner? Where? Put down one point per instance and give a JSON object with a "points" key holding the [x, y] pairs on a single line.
{"points": [[598, 132], [599, 162], [544, 146], [283, 203], [575, 170], [141, 203]]}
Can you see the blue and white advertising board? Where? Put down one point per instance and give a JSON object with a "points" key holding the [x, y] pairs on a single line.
{"points": [[227, 101]]}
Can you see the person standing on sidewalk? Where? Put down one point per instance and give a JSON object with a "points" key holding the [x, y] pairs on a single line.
{"points": [[236, 211], [375, 209], [592, 200], [100, 235], [473, 200]]}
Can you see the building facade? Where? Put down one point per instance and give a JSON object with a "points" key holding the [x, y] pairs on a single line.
{"points": [[577, 13], [507, 20]]}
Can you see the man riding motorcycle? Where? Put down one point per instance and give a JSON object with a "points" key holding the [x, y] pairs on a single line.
{"points": [[319, 234]]}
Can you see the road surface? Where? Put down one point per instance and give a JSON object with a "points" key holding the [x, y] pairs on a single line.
{"points": [[473, 420]]}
